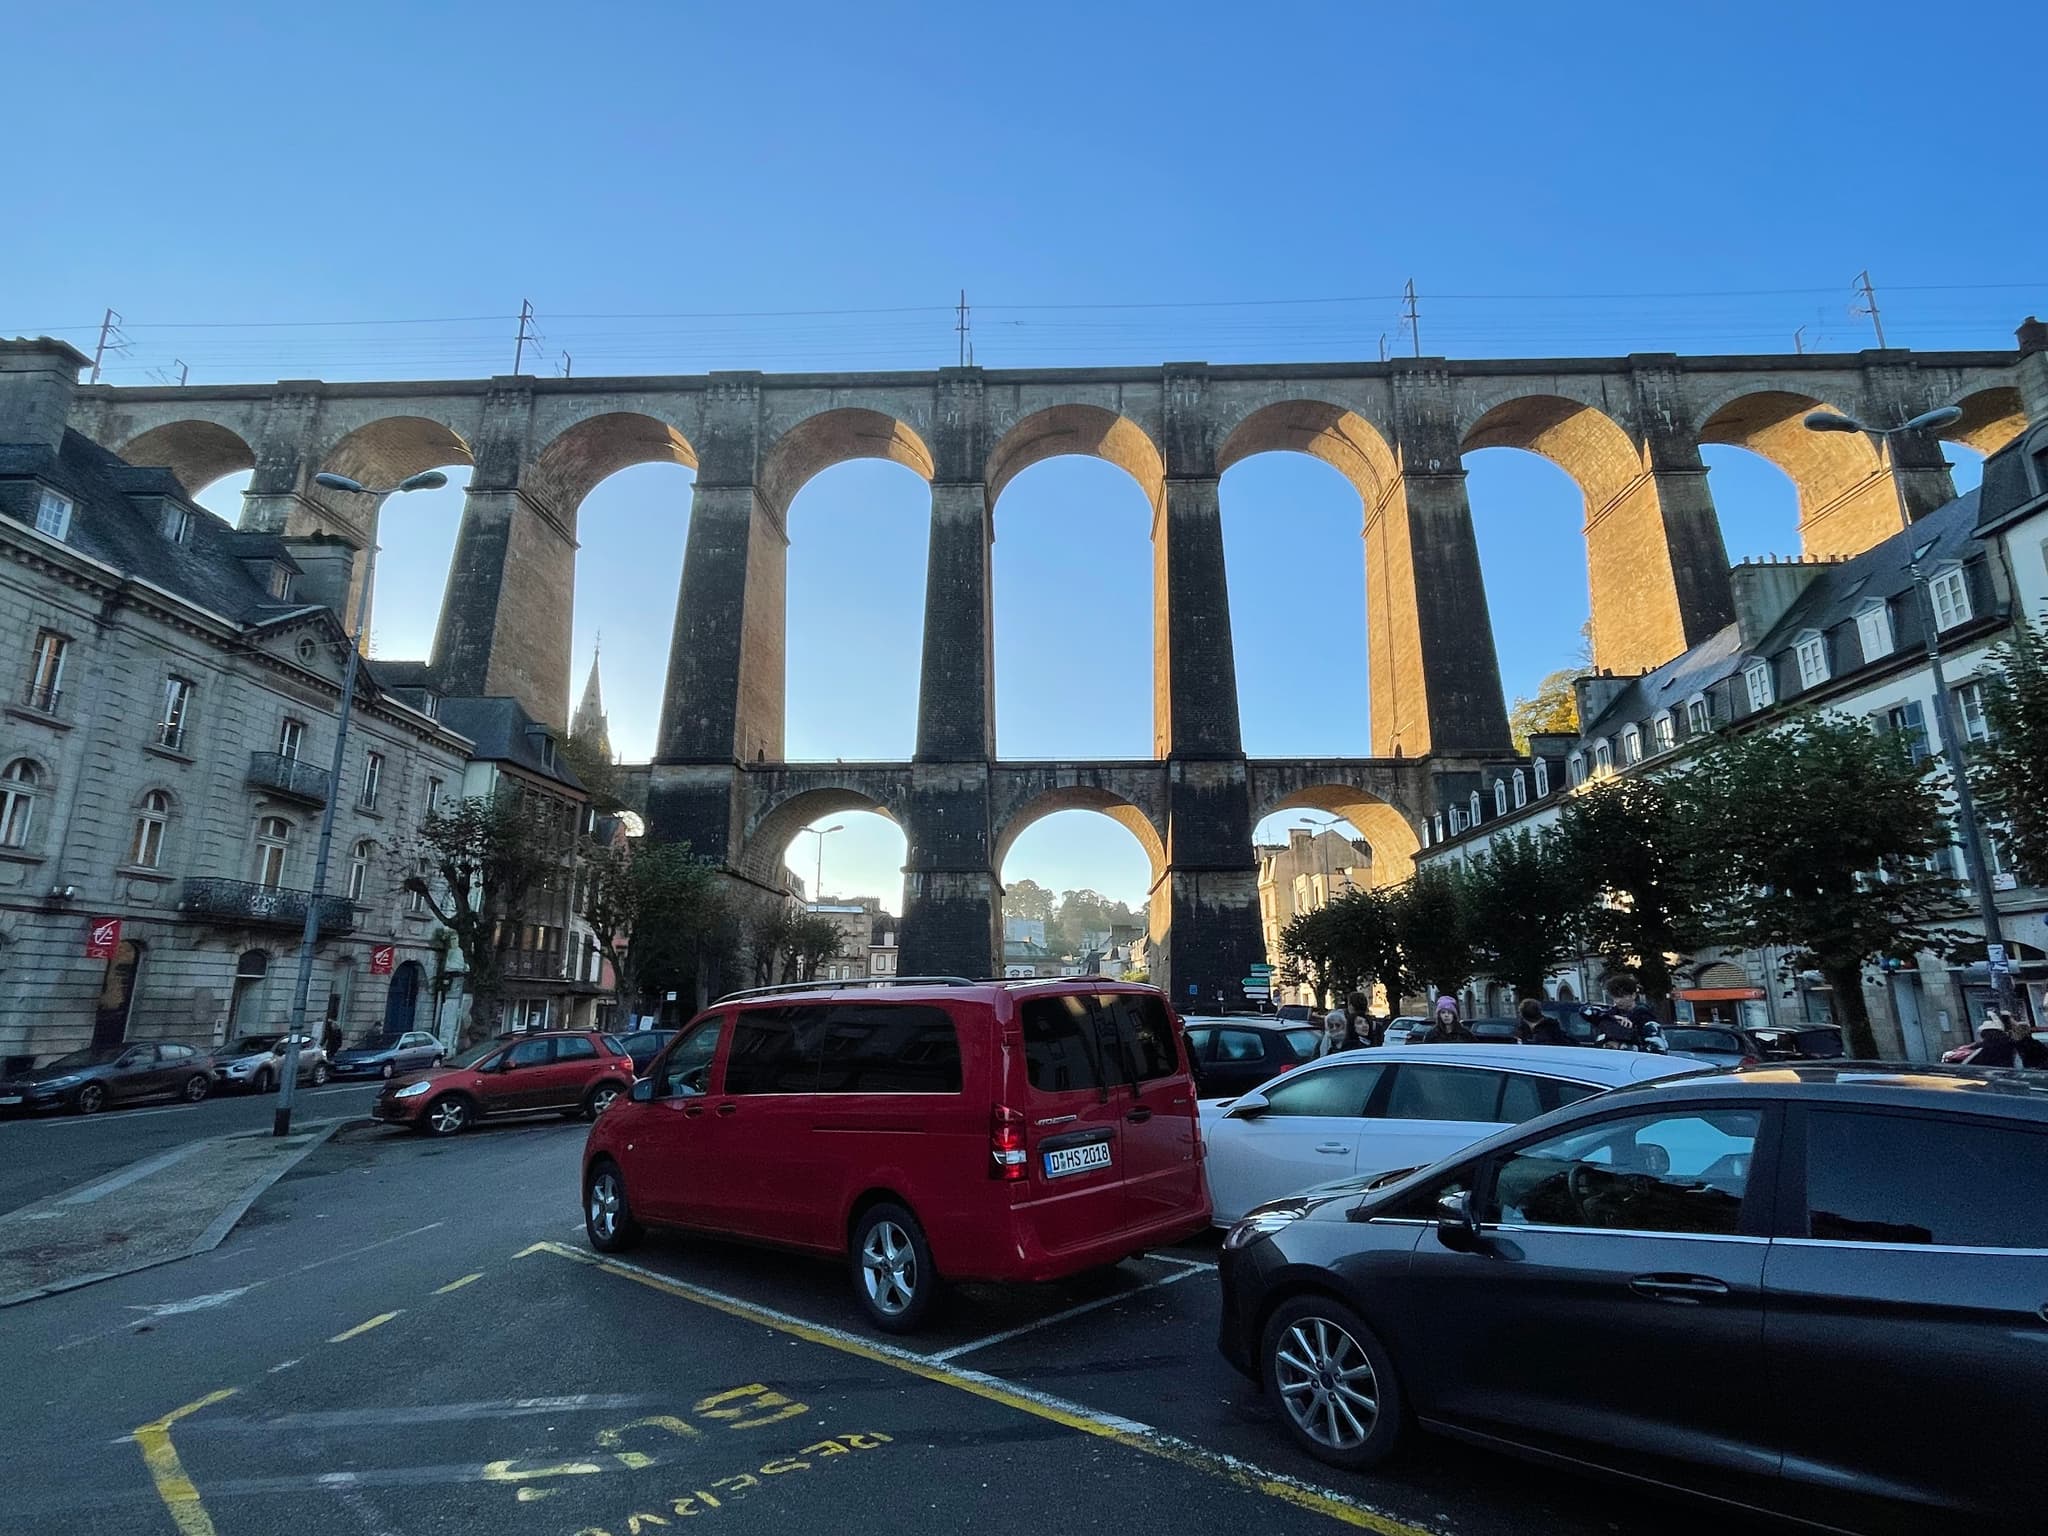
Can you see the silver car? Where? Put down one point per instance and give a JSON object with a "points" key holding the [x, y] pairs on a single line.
{"points": [[255, 1062], [1720, 1045]]}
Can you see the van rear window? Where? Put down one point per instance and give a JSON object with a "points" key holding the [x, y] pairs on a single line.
{"points": [[1061, 1050]]}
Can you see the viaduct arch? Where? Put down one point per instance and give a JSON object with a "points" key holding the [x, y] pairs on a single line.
{"points": [[1628, 430]]}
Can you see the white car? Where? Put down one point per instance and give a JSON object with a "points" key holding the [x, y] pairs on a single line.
{"points": [[1366, 1112]]}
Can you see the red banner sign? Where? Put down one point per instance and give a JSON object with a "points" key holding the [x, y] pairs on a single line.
{"points": [[381, 958], [103, 938]]}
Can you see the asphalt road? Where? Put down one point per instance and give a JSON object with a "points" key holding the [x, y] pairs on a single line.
{"points": [[42, 1154], [381, 1347]]}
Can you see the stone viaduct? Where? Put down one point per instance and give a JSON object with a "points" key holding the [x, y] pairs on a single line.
{"points": [[1628, 430]]}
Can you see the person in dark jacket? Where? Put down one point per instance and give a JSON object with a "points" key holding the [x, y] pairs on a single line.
{"points": [[2002, 1043], [1448, 1029], [1539, 1028]]}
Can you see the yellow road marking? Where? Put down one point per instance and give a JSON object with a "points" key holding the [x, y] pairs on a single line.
{"points": [[1122, 1432], [456, 1285], [168, 1472], [361, 1328]]}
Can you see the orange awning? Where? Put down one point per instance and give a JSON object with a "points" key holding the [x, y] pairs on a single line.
{"points": [[1722, 994]]}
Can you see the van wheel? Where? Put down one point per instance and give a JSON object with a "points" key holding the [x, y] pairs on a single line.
{"points": [[893, 1275], [1332, 1383], [607, 1218]]}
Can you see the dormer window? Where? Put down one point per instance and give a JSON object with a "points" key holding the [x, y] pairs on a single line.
{"points": [[177, 522], [1542, 777], [1756, 677], [1663, 731], [1603, 757], [1522, 786], [1874, 631], [1951, 594], [280, 583], [547, 752], [53, 514], [1574, 769], [1811, 649], [1631, 745], [1699, 719]]}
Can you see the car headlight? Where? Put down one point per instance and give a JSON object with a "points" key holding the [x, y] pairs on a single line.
{"points": [[1260, 1224], [58, 1082], [412, 1090]]}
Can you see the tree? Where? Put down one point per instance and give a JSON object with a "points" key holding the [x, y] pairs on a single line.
{"points": [[768, 938], [1028, 899], [489, 852], [1308, 952], [661, 916], [1823, 836], [1629, 865], [596, 771], [1515, 901], [1553, 707], [813, 940], [2010, 770], [1435, 949], [1368, 941]]}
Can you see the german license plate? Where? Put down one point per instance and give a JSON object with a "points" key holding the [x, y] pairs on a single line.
{"points": [[1061, 1161]]}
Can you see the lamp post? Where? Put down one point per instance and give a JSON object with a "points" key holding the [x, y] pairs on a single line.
{"points": [[1967, 830], [818, 878], [288, 1079]]}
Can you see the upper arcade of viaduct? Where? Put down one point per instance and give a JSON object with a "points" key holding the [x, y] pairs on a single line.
{"points": [[1628, 430]]}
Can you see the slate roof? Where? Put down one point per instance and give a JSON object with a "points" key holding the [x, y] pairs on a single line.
{"points": [[504, 732]]}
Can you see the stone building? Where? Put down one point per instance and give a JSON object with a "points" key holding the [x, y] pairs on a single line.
{"points": [[1301, 875], [1844, 635], [171, 691], [855, 918]]}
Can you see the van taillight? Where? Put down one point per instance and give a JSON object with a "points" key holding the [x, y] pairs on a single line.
{"points": [[1007, 1158]]}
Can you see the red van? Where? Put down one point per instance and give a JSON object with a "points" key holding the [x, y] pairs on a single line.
{"points": [[1020, 1130]]}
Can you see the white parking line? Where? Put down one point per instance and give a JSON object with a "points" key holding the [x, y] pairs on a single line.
{"points": [[1060, 1317]]}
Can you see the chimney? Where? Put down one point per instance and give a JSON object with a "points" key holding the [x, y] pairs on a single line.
{"points": [[1764, 592], [327, 568], [1595, 693], [37, 381]]}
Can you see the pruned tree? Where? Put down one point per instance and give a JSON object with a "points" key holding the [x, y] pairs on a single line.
{"points": [[2009, 772], [480, 860], [1824, 837], [1630, 864], [662, 916], [1517, 902]]}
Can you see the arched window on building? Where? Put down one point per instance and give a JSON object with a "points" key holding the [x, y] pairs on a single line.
{"points": [[1542, 777], [1472, 809], [359, 868], [1500, 797], [146, 851], [1522, 786], [18, 785]]}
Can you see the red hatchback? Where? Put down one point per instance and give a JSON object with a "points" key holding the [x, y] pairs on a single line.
{"points": [[973, 1131], [575, 1071]]}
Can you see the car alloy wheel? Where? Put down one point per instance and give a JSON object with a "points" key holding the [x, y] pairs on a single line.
{"points": [[889, 1269], [387, 1070], [197, 1087], [319, 1074], [607, 1216], [447, 1116], [602, 1098], [92, 1098], [1327, 1383]]}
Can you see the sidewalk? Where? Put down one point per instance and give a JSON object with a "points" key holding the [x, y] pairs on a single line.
{"points": [[166, 1207]]}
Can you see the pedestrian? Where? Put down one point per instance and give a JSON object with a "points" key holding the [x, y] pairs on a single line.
{"points": [[1537, 1027], [1448, 1028], [1629, 1023], [1340, 1027], [2002, 1042], [330, 1038]]}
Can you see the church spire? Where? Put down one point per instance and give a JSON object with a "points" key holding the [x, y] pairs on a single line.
{"points": [[589, 725]]}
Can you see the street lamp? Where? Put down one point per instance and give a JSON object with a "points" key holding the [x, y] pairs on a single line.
{"points": [[288, 1079], [820, 833], [1944, 704]]}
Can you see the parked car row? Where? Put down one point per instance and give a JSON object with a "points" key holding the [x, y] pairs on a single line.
{"points": [[1714, 1281]]}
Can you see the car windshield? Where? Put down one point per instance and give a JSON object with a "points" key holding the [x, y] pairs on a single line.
{"points": [[249, 1045], [91, 1056], [476, 1053]]}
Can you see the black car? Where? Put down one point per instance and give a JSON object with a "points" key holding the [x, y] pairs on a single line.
{"points": [[1735, 1284], [1798, 1042], [1235, 1053], [88, 1081], [643, 1045]]}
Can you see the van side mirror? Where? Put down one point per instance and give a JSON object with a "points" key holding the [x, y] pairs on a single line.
{"points": [[1457, 1225], [642, 1091], [1248, 1106]]}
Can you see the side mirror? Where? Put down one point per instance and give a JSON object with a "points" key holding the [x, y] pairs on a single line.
{"points": [[1457, 1227], [1248, 1106], [642, 1091]]}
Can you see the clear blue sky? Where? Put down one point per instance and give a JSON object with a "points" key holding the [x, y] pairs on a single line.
{"points": [[218, 163]]}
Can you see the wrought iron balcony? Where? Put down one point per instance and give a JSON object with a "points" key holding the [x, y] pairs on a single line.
{"points": [[289, 777], [244, 901], [533, 964]]}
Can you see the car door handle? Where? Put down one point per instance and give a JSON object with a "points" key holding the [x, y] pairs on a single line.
{"points": [[728, 1108], [1686, 1289], [1331, 1146], [1139, 1115]]}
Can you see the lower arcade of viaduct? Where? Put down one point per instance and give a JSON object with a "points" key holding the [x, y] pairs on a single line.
{"points": [[1628, 430]]}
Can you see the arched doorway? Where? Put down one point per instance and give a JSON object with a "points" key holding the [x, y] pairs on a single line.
{"points": [[117, 994], [245, 1011], [402, 1000]]}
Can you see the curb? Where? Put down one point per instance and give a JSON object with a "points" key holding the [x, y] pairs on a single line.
{"points": [[209, 1239]]}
